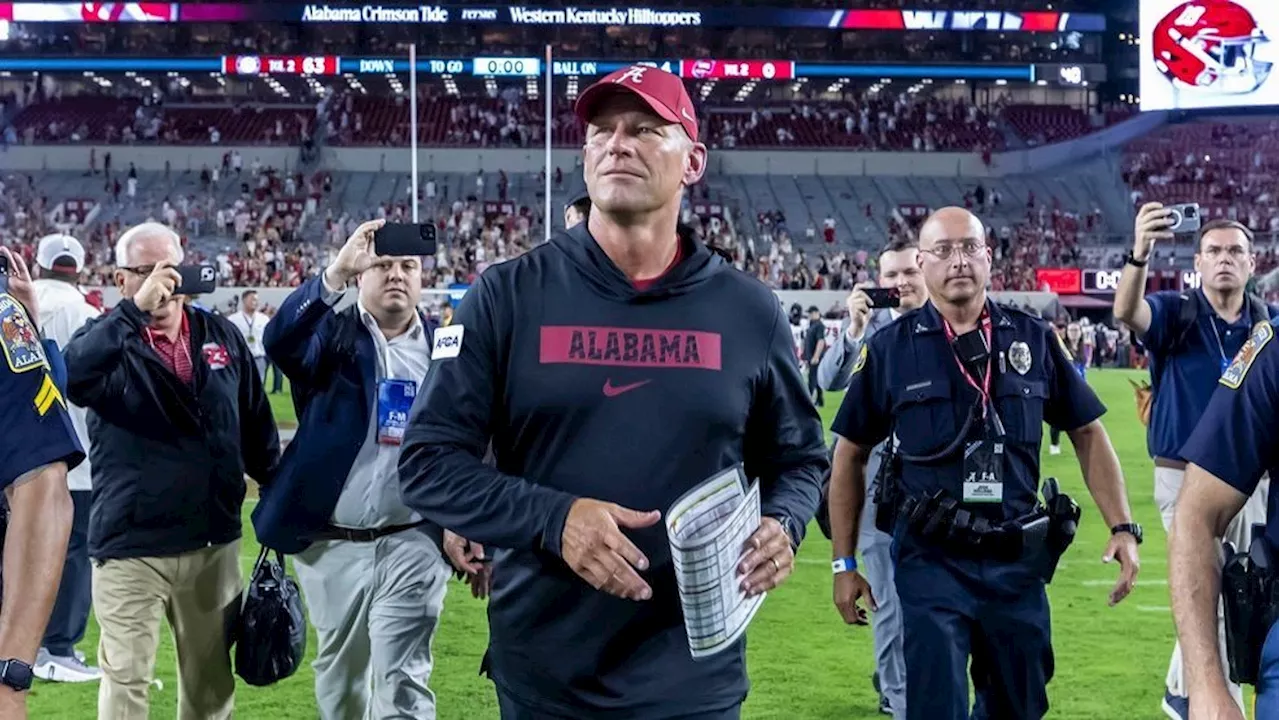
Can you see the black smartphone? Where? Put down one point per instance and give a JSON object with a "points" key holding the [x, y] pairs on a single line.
{"points": [[884, 297], [404, 239], [196, 280], [4, 274]]}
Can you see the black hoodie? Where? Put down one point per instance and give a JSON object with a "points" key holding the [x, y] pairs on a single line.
{"points": [[588, 387]]}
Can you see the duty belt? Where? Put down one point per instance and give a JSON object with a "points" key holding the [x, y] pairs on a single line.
{"points": [[940, 520]]}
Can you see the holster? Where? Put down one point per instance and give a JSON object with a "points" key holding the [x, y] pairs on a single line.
{"points": [[888, 494], [1064, 519], [1249, 607]]}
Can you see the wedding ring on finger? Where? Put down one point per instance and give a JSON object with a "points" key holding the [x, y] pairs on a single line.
{"points": [[776, 568]]}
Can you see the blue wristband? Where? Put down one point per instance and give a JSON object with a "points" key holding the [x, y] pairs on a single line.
{"points": [[844, 564]]}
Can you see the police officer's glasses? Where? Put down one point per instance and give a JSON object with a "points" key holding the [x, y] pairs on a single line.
{"points": [[143, 270], [944, 251]]}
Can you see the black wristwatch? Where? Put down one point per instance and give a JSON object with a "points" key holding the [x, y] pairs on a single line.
{"points": [[1133, 529], [16, 674], [789, 527], [1129, 259]]}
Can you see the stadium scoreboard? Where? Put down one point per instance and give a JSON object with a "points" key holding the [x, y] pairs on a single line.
{"points": [[281, 64], [696, 69], [506, 66]]}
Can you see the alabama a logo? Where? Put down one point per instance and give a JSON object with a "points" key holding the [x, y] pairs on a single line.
{"points": [[18, 337], [1236, 371]]}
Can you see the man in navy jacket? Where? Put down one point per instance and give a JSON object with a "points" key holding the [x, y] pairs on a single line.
{"points": [[612, 370], [371, 569]]}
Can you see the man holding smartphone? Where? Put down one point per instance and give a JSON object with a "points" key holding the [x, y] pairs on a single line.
{"points": [[1191, 338], [177, 417], [370, 567], [900, 274]]}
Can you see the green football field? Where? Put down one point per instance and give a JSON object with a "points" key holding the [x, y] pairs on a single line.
{"points": [[803, 661]]}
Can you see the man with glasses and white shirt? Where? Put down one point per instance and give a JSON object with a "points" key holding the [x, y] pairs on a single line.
{"points": [[252, 325], [898, 270], [371, 569]]}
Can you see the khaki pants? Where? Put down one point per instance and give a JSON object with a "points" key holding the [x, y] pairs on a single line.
{"points": [[199, 593], [1239, 532]]}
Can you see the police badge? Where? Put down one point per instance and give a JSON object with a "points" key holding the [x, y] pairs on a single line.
{"points": [[18, 337], [1020, 357]]}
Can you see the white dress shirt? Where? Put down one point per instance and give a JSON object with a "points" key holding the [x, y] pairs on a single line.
{"points": [[63, 311], [371, 495], [251, 326]]}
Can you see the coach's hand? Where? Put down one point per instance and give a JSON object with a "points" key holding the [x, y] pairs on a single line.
{"points": [[594, 547], [1123, 548], [158, 288], [848, 588], [769, 558], [1153, 223], [355, 257]]}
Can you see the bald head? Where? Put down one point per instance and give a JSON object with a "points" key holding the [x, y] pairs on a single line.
{"points": [[951, 224], [954, 256]]}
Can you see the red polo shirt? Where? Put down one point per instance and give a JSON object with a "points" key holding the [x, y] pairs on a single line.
{"points": [[176, 354]]}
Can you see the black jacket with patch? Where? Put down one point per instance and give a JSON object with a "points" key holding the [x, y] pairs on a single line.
{"points": [[168, 459]]}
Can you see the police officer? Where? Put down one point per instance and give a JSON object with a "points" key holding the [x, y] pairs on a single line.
{"points": [[37, 447], [973, 547], [1232, 446]]}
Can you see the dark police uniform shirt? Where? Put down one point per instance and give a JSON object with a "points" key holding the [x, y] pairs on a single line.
{"points": [[37, 429], [1236, 439], [907, 374], [1183, 374]]}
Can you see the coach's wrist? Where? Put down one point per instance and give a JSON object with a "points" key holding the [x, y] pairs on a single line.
{"points": [[553, 527]]}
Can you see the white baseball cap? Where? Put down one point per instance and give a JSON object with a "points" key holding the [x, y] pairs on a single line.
{"points": [[57, 246]]}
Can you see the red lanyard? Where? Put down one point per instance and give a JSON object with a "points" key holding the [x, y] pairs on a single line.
{"points": [[985, 388]]}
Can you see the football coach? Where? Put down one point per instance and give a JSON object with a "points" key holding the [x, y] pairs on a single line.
{"points": [[613, 369]]}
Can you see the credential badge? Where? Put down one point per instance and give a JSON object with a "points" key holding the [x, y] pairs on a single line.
{"points": [[1020, 357]]}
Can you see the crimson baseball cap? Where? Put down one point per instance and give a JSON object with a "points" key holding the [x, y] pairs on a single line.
{"points": [[662, 91]]}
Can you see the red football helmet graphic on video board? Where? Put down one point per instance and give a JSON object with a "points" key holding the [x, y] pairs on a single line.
{"points": [[1211, 46]]}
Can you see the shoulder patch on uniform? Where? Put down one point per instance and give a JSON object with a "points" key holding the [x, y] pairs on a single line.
{"points": [[447, 342], [1239, 367], [861, 361], [18, 337], [47, 396]]}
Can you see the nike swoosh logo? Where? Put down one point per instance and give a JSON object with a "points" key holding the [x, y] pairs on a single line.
{"points": [[611, 390], [685, 113]]}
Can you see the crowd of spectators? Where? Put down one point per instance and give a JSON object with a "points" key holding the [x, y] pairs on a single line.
{"points": [[803, 116], [1229, 169]]}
